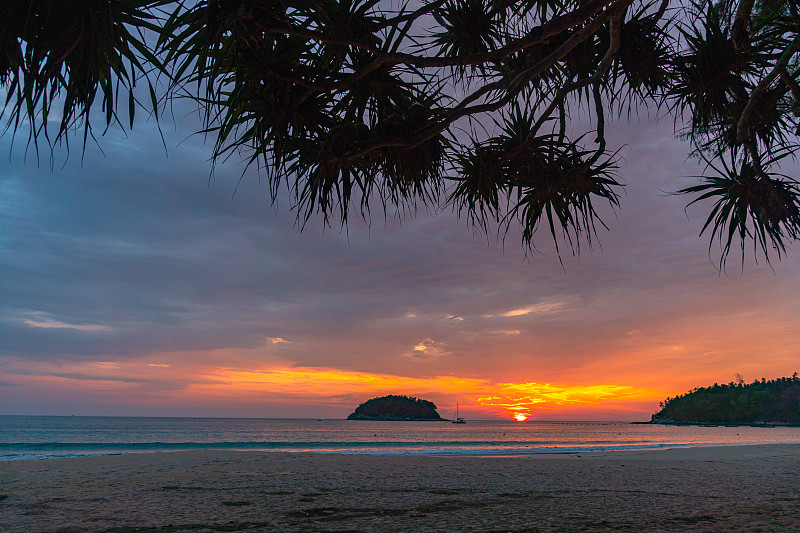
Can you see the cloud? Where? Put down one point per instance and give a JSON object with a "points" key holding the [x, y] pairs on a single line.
{"points": [[506, 332], [112, 365], [50, 323], [89, 377], [277, 340], [428, 348], [536, 309]]}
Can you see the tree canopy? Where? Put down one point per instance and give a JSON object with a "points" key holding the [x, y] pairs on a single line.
{"points": [[464, 103], [396, 407], [773, 401]]}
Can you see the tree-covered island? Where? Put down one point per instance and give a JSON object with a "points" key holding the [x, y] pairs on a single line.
{"points": [[774, 402], [396, 407]]}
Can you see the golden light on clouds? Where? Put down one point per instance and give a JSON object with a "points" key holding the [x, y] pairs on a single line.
{"points": [[428, 348], [49, 323], [537, 309], [315, 382], [521, 400], [144, 382], [514, 400]]}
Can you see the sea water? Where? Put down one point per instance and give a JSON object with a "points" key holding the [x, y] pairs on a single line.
{"points": [[30, 437]]}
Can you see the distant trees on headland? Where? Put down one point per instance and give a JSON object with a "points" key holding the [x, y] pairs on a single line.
{"points": [[773, 401]]}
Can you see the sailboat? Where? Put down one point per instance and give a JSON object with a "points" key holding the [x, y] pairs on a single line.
{"points": [[458, 419]]}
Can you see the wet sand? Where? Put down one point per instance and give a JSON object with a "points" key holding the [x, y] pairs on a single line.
{"points": [[742, 488]]}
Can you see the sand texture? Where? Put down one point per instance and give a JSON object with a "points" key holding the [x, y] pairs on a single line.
{"points": [[748, 488]]}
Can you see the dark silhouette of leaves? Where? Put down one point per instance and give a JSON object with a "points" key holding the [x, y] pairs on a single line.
{"points": [[466, 103], [759, 402]]}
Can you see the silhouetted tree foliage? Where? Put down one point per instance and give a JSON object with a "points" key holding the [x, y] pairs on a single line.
{"points": [[466, 103], [396, 406], [777, 400]]}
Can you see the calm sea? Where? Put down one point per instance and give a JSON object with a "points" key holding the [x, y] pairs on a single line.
{"points": [[30, 437]]}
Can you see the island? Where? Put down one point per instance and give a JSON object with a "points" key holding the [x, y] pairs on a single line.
{"points": [[396, 408], [760, 403]]}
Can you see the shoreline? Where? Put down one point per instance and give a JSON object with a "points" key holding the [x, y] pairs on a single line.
{"points": [[712, 488], [686, 452], [599, 451], [720, 424]]}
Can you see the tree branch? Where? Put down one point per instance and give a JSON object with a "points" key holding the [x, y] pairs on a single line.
{"points": [[513, 88], [793, 87], [414, 15], [739, 33], [742, 128], [537, 35], [613, 47], [605, 63]]}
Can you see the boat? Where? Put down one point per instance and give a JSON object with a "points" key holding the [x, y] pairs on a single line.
{"points": [[458, 419]]}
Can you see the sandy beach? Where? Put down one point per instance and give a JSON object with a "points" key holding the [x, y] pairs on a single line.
{"points": [[741, 488]]}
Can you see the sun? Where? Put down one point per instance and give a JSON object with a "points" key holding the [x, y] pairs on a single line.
{"points": [[521, 417]]}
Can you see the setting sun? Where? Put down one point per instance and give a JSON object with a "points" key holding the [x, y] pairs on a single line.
{"points": [[521, 417]]}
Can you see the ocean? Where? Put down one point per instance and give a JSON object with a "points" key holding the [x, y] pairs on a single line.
{"points": [[40, 437]]}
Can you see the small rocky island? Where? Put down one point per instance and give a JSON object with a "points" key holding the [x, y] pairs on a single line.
{"points": [[760, 403], [398, 408]]}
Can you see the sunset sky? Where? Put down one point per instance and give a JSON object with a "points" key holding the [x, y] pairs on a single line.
{"points": [[131, 283]]}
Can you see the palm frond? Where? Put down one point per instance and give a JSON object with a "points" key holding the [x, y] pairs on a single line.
{"points": [[59, 56], [749, 203]]}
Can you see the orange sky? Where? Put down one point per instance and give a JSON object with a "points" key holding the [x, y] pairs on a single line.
{"points": [[508, 364], [130, 284], [336, 392], [192, 382]]}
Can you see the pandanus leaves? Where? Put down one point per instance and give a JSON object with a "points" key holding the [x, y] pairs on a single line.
{"points": [[65, 53], [346, 101], [749, 203]]}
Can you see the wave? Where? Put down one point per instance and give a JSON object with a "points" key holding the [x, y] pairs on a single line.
{"points": [[286, 444], [43, 450]]}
